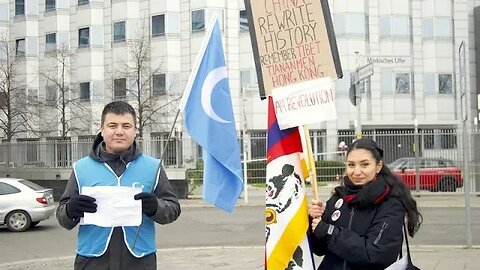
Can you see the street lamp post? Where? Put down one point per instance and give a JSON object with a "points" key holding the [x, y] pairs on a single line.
{"points": [[358, 126]]}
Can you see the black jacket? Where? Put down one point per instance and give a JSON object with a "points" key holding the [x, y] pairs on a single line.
{"points": [[363, 238], [117, 255]]}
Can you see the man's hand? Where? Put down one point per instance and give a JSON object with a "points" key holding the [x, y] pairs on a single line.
{"points": [[149, 202], [79, 204], [316, 208]]}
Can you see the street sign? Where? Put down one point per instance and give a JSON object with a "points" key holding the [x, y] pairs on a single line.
{"points": [[388, 60], [354, 95], [364, 72]]}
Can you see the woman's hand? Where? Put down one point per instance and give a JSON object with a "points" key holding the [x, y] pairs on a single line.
{"points": [[315, 209]]}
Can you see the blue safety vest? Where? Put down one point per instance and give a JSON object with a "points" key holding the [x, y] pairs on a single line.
{"points": [[141, 172]]}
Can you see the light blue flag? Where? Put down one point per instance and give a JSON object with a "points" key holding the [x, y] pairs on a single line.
{"points": [[209, 120]]}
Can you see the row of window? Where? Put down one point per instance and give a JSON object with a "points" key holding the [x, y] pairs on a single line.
{"points": [[401, 83], [392, 26], [119, 89], [50, 5], [351, 23], [119, 33]]}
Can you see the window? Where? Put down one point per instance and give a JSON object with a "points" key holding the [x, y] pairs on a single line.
{"points": [[120, 88], [8, 189], [440, 139], [387, 81], [51, 96], [350, 23], [198, 20], [83, 2], [437, 28], [356, 23], [443, 27], [429, 83], [402, 83], [243, 20], [445, 84], [84, 37], [398, 26], [158, 25], [20, 47], [159, 85], [119, 31], [50, 41], [85, 91], [49, 5], [427, 28], [19, 7], [339, 24], [4, 10], [441, 83], [248, 80], [258, 144]]}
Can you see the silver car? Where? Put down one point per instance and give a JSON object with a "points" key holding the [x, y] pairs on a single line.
{"points": [[23, 204]]}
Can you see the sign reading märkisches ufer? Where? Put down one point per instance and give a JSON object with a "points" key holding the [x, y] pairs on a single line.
{"points": [[293, 41]]}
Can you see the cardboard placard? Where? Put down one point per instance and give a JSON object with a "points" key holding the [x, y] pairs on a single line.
{"points": [[293, 41]]}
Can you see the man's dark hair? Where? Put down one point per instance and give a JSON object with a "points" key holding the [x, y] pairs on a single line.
{"points": [[119, 107]]}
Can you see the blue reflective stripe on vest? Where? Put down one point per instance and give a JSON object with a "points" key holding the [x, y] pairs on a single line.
{"points": [[141, 172]]}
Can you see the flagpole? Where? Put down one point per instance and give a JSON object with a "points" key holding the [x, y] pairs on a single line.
{"points": [[158, 169], [310, 160]]}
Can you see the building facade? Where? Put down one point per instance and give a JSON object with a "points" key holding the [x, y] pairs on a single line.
{"points": [[415, 47]]}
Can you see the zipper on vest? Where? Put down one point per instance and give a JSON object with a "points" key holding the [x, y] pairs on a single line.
{"points": [[350, 221], [379, 236]]}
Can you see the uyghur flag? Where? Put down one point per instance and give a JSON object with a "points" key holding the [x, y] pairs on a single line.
{"points": [[286, 213], [209, 120]]}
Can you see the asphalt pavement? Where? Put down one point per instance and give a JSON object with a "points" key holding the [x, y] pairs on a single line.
{"points": [[251, 257]]}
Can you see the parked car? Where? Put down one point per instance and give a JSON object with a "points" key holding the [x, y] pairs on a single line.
{"points": [[436, 174], [23, 204]]}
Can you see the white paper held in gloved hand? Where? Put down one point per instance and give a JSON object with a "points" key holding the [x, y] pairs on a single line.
{"points": [[115, 206]]}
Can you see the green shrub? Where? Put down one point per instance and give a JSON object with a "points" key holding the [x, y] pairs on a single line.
{"points": [[327, 170]]}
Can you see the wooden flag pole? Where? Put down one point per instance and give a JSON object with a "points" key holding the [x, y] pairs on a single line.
{"points": [[310, 160]]}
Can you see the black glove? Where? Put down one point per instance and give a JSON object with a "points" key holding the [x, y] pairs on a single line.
{"points": [[149, 202], [79, 204], [323, 230]]}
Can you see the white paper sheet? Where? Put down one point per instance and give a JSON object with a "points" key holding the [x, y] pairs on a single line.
{"points": [[115, 206]]}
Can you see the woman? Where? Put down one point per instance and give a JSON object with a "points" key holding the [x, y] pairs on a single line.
{"points": [[361, 225]]}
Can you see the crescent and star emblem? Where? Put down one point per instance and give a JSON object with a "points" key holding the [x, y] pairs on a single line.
{"points": [[213, 77]]}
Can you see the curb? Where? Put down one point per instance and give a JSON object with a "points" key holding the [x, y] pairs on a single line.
{"points": [[69, 259]]}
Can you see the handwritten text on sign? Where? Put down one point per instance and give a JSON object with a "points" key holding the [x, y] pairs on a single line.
{"points": [[313, 102], [292, 42]]}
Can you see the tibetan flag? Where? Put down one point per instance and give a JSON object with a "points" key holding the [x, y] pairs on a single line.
{"points": [[286, 213], [209, 120]]}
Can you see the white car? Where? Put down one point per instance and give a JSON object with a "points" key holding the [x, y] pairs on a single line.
{"points": [[23, 204]]}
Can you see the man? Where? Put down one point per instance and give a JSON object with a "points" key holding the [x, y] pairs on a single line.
{"points": [[117, 160]]}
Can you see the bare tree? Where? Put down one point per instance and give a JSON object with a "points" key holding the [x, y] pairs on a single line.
{"points": [[152, 103], [63, 104], [15, 116]]}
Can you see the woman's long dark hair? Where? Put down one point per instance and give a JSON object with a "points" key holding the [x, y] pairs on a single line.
{"points": [[414, 218]]}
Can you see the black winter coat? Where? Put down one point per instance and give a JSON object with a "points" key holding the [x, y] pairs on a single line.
{"points": [[369, 238]]}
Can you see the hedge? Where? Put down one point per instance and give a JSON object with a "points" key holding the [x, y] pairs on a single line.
{"points": [[327, 170]]}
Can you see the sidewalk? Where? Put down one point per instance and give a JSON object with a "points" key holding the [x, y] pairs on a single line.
{"points": [[251, 258], [256, 197]]}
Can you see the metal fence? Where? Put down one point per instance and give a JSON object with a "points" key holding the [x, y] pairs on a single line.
{"points": [[436, 156]]}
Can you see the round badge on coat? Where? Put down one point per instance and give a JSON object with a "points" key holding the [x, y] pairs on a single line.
{"points": [[336, 215], [339, 203]]}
